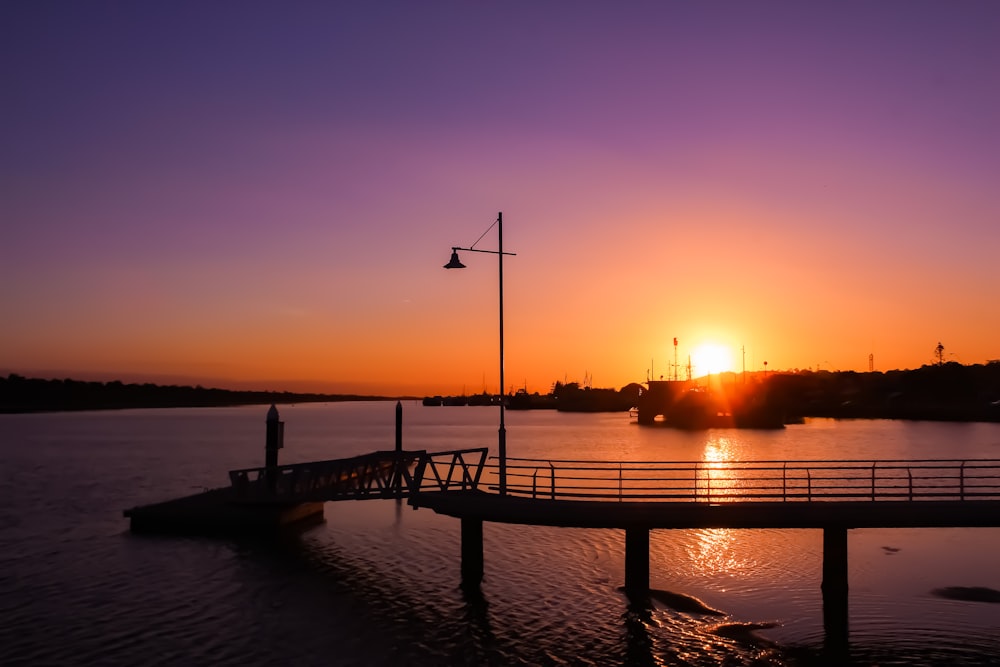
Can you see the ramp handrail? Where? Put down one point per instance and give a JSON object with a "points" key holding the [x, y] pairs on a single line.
{"points": [[385, 474], [377, 475], [459, 469]]}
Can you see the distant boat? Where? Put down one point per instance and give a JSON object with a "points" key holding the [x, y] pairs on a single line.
{"points": [[683, 405], [522, 400], [475, 399], [483, 399]]}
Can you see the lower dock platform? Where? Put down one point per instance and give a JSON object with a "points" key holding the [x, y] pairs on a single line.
{"points": [[217, 513]]}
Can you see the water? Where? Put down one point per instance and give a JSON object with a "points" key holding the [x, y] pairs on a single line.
{"points": [[377, 583]]}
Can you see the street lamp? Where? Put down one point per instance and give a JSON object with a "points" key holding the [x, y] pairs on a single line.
{"points": [[455, 263]]}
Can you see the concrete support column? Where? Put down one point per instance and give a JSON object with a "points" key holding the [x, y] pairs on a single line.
{"points": [[472, 552], [835, 559], [637, 561], [835, 586]]}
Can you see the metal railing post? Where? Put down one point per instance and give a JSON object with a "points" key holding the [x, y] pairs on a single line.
{"points": [[619, 482], [784, 481], [552, 478], [534, 484], [418, 474], [809, 485], [909, 475]]}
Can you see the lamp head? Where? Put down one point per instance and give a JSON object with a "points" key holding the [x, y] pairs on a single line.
{"points": [[454, 263]]}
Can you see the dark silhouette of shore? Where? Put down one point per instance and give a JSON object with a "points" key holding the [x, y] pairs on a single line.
{"points": [[569, 397], [939, 392], [20, 394]]}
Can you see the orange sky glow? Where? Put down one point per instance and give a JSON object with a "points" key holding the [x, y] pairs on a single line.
{"points": [[270, 206]]}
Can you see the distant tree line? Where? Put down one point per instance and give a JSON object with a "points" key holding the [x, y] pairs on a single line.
{"points": [[21, 394], [945, 392], [942, 392]]}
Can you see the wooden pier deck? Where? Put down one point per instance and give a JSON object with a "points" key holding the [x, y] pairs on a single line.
{"points": [[218, 512]]}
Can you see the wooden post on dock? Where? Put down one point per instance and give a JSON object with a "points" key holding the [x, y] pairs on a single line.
{"points": [[472, 552], [399, 427], [397, 474], [835, 586], [637, 560], [274, 440]]}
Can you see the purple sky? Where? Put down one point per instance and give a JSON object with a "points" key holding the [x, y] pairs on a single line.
{"points": [[262, 194]]}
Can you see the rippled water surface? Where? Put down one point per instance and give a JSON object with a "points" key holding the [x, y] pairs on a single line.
{"points": [[377, 583]]}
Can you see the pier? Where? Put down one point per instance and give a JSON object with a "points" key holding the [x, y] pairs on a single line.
{"points": [[636, 497], [276, 497]]}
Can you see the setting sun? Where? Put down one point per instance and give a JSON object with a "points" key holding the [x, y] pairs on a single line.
{"points": [[710, 358]]}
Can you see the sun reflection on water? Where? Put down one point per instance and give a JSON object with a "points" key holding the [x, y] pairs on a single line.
{"points": [[716, 552], [718, 448], [716, 477]]}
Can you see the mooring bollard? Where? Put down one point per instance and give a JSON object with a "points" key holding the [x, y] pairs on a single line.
{"points": [[275, 440], [397, 465], [399, 427]]}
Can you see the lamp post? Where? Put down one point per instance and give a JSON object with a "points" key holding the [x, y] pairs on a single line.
{"points": [[455, 263]]}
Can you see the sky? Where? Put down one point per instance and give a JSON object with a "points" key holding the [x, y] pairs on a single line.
{"points": [[262, 195]]}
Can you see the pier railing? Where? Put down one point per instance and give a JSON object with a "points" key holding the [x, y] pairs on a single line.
{"points": [[742, 481]]}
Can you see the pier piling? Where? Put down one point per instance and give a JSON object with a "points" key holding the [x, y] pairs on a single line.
{"points": [[835, 560], [835, 616], [274, 440], [397, 473], [472, 552], [637, 560], [399, 427]]}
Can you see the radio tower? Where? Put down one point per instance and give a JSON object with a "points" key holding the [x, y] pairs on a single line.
{"points": [[871, 363], [675, 359]]}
